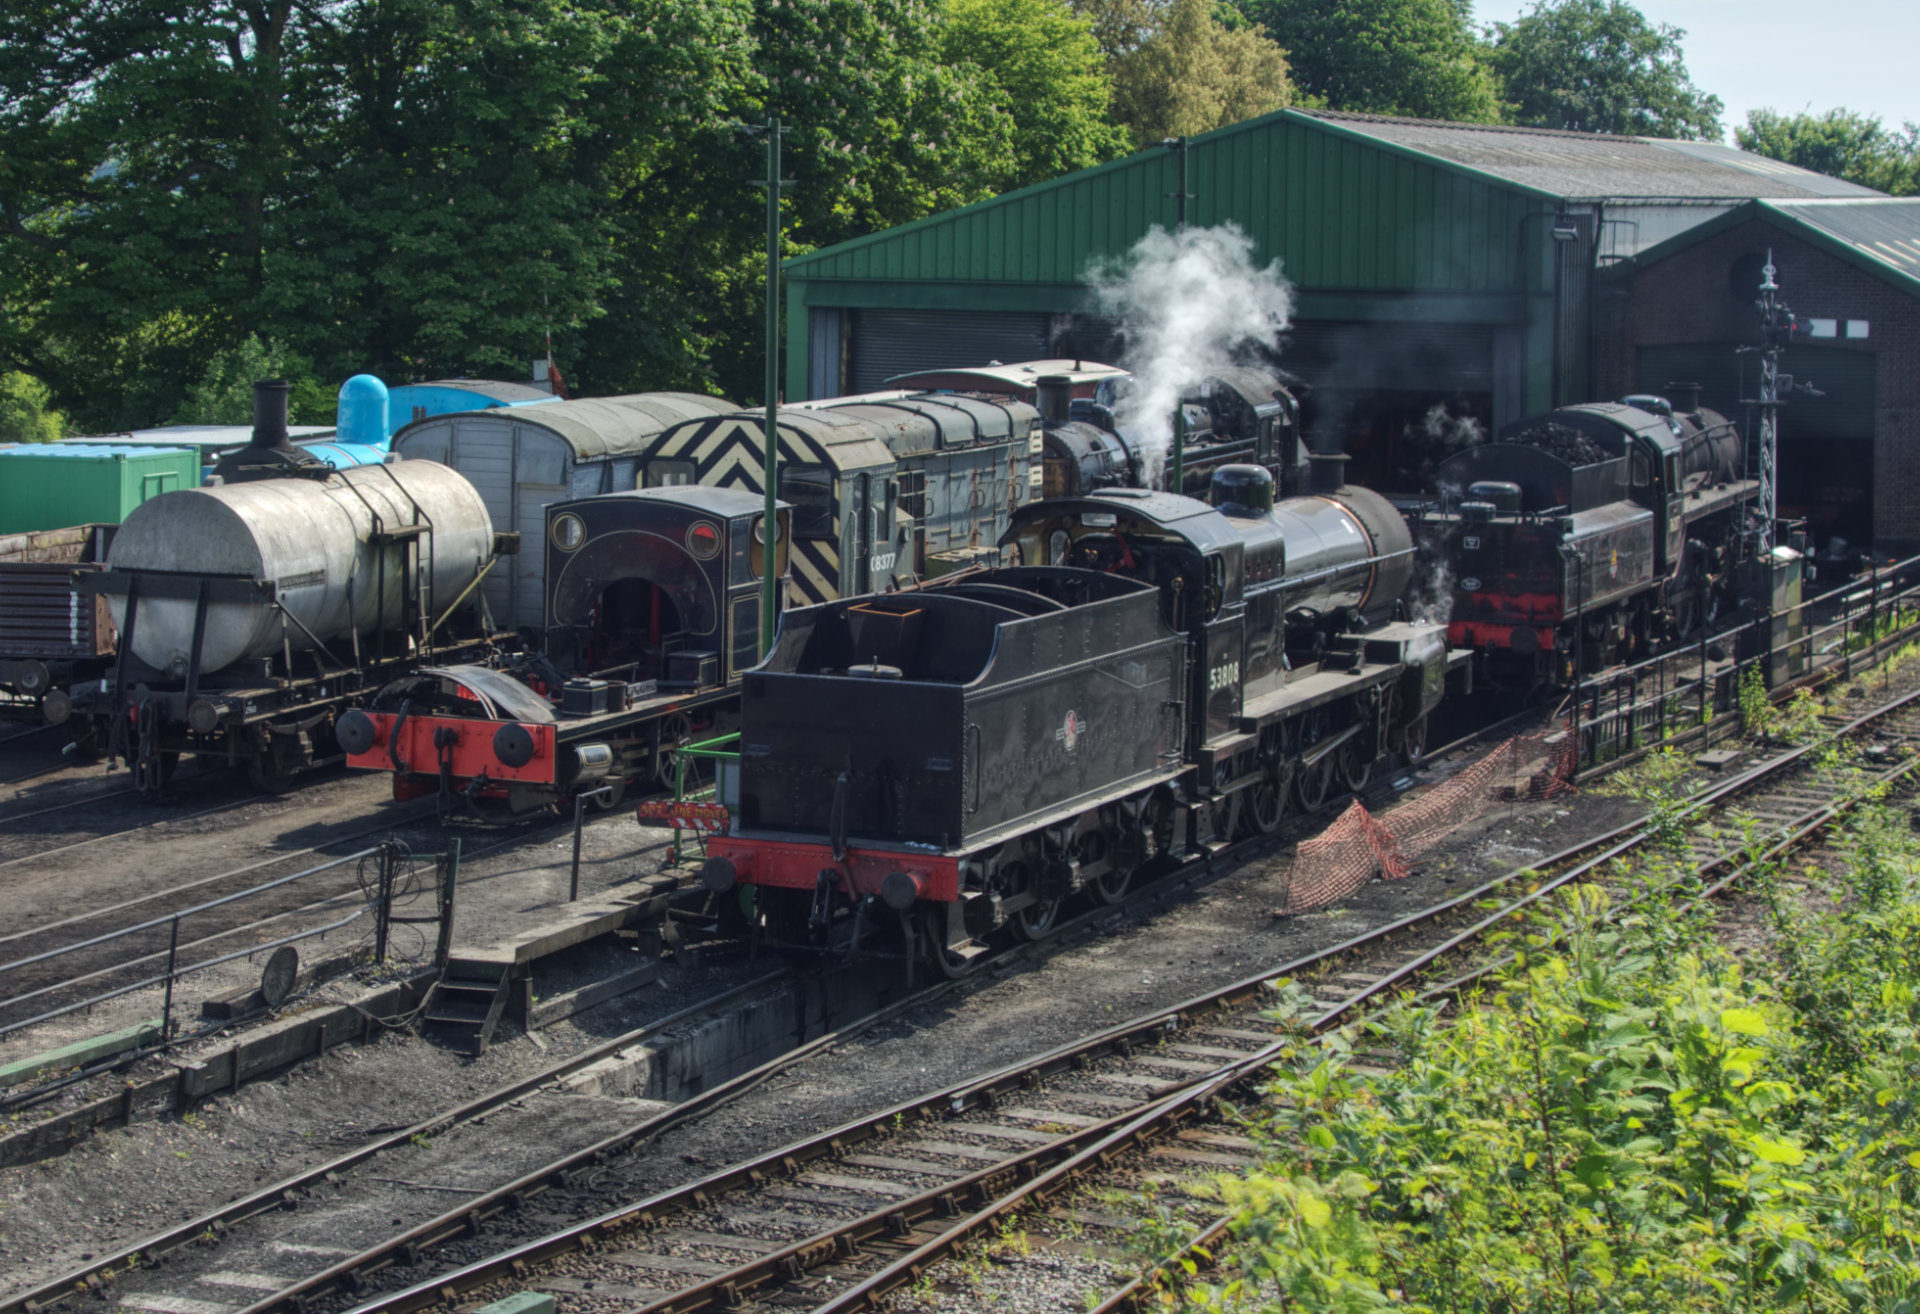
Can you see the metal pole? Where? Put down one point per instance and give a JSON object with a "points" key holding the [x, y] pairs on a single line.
{"points": [[383, 913], [173, 953], [771, 458], [579, 815], [449, 882]]}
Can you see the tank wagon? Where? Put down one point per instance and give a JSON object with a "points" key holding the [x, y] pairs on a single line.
{"points": [[1591, 534], [652, 614], [885, 489], [523, 459], [922, 770], [252, 612]]}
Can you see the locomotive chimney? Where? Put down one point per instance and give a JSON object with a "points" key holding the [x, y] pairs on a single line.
{"points": [[270, 415], [1053, 395], [1327, 471], [1685, 396], [270, 453]]}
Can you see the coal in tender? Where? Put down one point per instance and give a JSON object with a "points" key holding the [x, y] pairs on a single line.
{"points": [[1562, 441]]}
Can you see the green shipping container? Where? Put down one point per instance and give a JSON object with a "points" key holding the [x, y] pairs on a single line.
{"points": [[54, 485]]}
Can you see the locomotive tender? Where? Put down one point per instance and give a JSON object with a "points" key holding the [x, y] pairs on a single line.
{"points": [[929, 766], [1599, 530]]}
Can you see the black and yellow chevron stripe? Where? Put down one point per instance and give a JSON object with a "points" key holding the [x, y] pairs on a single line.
{"points": [[727, 453]]}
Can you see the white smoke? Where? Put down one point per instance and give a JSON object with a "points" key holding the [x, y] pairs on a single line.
{"points": [[1430, 600], [1449, 431], [1189, 303]]}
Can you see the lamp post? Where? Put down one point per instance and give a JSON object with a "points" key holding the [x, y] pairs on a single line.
{"points": [[770, 457]]}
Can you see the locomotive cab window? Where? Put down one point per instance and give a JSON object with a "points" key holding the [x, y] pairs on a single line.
{"points": [[781, 534], [810, 489], [668, 474], [1642, 469]]}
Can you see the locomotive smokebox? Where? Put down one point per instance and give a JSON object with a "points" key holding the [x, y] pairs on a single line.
{"points": [[1053, 396], [1242, 490]]}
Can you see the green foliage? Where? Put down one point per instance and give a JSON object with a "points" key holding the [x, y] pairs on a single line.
{"points": [[224, 394], [1840, 144], [1191, 74], [1048, 78], [1412, 57], [1600, 66], [1662, 783], [1758, 715], [26, 411], [1637, 1122]]}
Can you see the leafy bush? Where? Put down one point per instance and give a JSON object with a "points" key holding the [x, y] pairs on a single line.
{"points": [[1636, 1122], [25, 413]]}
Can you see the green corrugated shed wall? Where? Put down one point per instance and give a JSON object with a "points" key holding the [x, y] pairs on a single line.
{"points": [[1367, 230]]}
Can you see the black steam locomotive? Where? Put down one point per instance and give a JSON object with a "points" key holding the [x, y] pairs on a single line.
{"points": [[1589, 535], [921, 769], [1239, 415]]}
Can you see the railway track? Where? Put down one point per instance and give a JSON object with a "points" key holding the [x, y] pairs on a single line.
{"points": [[877, 1190], [842, 1219], [73, 968]]}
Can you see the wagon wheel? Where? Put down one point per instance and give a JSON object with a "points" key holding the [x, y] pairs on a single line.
{"points": [[1266, 803], [1355, 767], [676, 728], [266, 774], [1311, 784], [933, 946], [1037, 920]]}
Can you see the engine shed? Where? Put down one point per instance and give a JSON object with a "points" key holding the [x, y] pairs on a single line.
{"points": [[1445, 274]]}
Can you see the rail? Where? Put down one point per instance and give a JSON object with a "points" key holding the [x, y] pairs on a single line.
{"points": [[391, 859]]}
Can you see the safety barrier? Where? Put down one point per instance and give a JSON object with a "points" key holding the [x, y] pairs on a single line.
{"points": [[1359, 845]]}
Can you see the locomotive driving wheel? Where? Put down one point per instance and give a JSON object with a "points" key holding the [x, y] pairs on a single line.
{"points": [[1413, 741], [1310, 784], [676, 728], [1355, 767], [1266, 802]]}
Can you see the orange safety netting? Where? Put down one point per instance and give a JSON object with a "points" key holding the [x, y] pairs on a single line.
{"points": [[1359, 845]]}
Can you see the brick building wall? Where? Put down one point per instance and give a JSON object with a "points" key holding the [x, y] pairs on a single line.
{"points": [[1687, 298]]}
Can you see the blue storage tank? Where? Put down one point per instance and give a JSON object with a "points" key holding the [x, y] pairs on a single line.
{"points": [[362, 416], [344, 456], [417, 401]]}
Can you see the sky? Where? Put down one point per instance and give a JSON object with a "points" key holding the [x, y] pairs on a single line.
{"points": [[1789, 55]]}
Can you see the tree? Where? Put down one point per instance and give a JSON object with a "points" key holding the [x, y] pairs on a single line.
{"points": [[25, 413], [1418, 58], [1600, 66], [1046, 75], [1840, 144], [224, 394], [1192, 75]]}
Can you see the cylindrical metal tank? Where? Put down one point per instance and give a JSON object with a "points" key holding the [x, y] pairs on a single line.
{"points": [[1330, 541], [312, 539]]}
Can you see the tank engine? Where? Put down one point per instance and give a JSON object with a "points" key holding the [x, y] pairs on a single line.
{"points": [[1589, 535], [930, 766]]}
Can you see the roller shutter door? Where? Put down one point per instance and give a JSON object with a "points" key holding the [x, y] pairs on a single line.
{"points": [[1402, 357], [890, 342], [1826, 442]]}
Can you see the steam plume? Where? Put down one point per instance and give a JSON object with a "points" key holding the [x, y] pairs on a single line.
{"points": [[1189, 303]]}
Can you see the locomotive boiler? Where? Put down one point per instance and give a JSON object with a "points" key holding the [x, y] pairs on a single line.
{"points": [[920, 770], [1591, 534]]}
